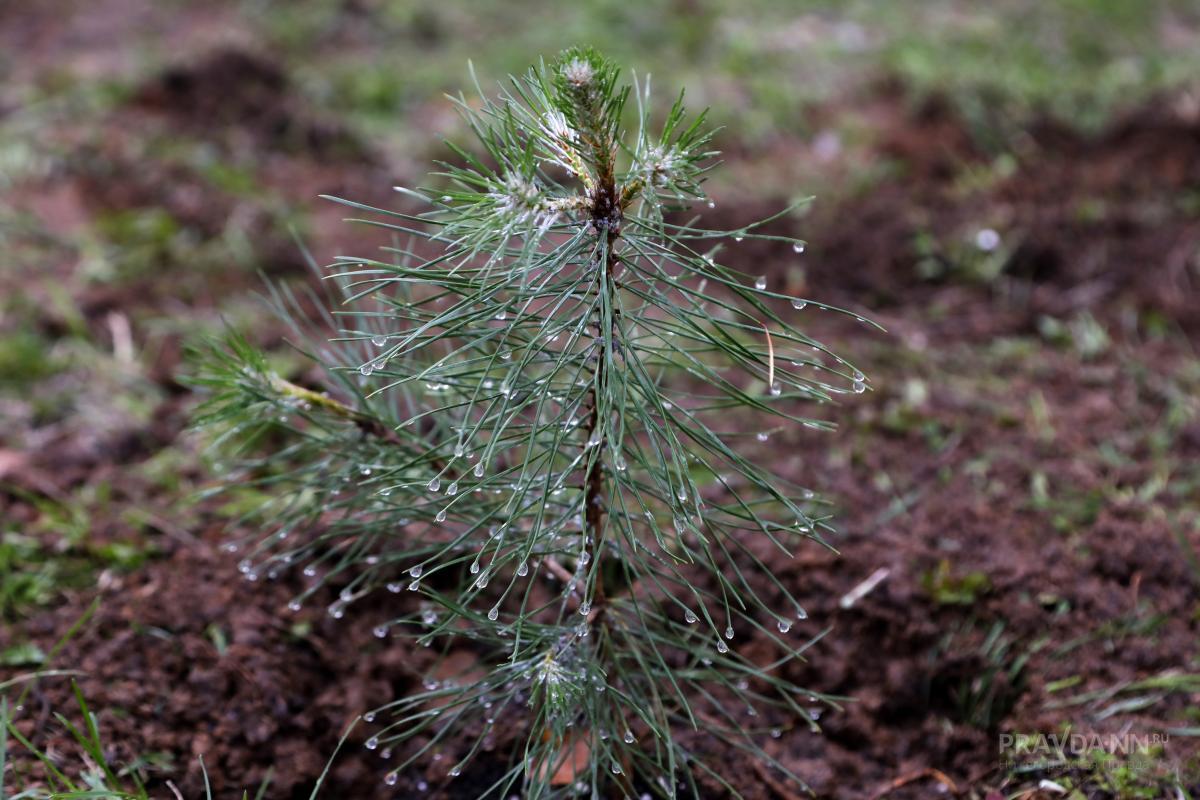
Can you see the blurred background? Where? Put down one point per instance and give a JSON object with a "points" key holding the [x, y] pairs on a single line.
{"points": [[1011, 187]]}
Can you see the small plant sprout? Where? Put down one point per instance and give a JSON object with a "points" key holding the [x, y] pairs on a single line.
{"points": [[538, 430]]}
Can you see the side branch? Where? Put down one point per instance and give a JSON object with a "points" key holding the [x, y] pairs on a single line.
{"points": [[366, 423]]}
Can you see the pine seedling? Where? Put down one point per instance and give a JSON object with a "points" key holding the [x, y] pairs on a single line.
{"points": [[535, 427]]}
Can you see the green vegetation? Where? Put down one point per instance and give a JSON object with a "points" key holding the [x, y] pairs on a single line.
{"points": [[90, 772], [765, 63], [947, 588]]}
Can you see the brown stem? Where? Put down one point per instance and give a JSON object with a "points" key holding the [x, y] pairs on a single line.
{"points": [[606, 216], [365, 422]]}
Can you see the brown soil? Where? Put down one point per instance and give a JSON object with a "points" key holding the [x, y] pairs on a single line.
{"points": [[186, 658]]}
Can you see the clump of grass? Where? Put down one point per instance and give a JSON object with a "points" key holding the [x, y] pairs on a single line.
{"points": [[97, 776], [536, 428]]}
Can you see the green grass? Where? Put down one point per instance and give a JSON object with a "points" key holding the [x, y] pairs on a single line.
{"points": [[947, 586], [26, 357], [89, 772], [57, 554], [761, 63]]}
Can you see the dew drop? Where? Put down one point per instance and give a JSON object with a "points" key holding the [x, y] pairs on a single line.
{"points": [[784, 625], [475, 567], [373, 742], [380, 632], [737, 237], [394, 588], [585, 608], [762, 436], [523, 570], [416, 571], [391, 778], [712, 203], [799, 304], [760, 282], [776, 733], [366, 369], [776, 389], [722, 647], [440, 516], [294, 605], [801, 613], [987, 240], [619, 462], [452, 489], [494, 614], [689, 617], [859, 387], [379, 341], [628, 737], [435, 484], [728, 631], [414, 586], [798, 247]]}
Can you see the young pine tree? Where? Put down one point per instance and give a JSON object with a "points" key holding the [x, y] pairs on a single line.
{"points": [[535, 427]]}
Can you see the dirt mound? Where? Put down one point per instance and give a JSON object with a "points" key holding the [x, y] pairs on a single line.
{"points": [[239, 92], [1065, 223], [186, 659]]}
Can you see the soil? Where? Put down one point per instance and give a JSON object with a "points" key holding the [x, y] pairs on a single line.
{"points": [[183, 657]]}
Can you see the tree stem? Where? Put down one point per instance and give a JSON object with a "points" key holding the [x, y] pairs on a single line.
{"points": [[606, 216]]}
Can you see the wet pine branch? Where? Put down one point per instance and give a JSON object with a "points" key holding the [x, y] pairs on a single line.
{"points": [[537, 426]]}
